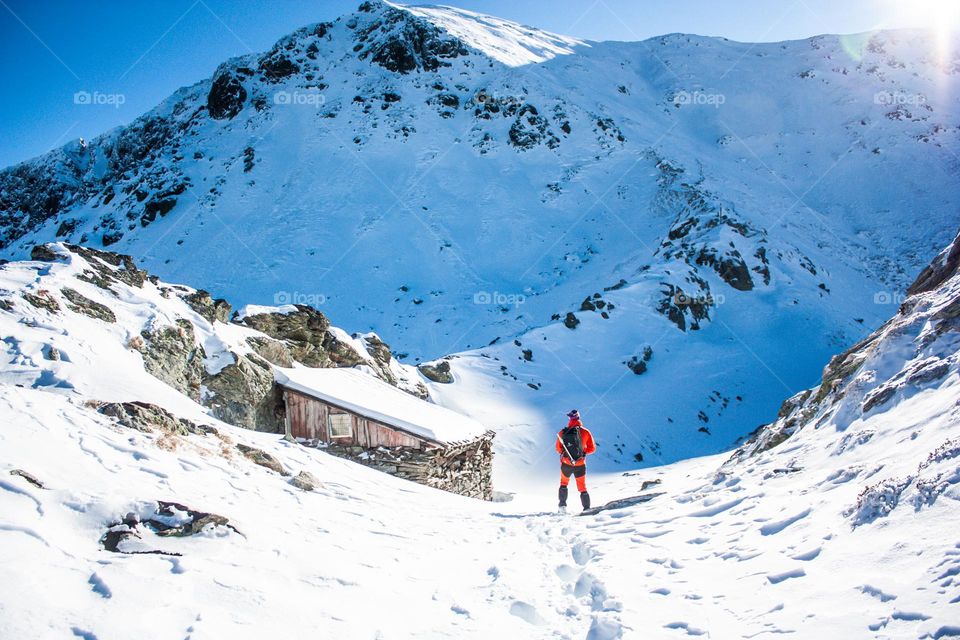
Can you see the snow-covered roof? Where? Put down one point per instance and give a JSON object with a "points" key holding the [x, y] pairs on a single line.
{"points": [[361, 393]]}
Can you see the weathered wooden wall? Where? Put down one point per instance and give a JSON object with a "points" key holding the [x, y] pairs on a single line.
{"points": [[307, 417], [462, 467]]}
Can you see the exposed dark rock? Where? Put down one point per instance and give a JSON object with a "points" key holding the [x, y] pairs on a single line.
{"points": [[169, 520], [109, 267], [245, 394], [413, 44], [437, 371], [153, 208], [212, 310], [307, 333], [729, 266], [171, 355], [226, 97], [571, 321], [78, 303], [944, 266], [29, 477], [273, 351], [262, 458], [146, 417], [677, 305], [42, 300], [878, 397], [277, 67], [45, 253]]}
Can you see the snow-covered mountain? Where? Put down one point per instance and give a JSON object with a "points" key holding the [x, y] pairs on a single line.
{"points": [[449, 179], [155, 519]]}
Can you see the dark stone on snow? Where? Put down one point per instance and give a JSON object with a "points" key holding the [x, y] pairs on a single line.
{"points": [[79, 303], [226, 96], [437, 372], [262, 458]]}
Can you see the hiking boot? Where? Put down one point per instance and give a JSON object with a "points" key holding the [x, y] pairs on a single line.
{"points": [[563, 496], [584, 499]]}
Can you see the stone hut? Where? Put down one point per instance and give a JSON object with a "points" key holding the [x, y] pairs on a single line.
{"points": [[356, 416]]}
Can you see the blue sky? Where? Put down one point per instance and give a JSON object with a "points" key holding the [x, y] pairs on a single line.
{"points": [[143, 50]]}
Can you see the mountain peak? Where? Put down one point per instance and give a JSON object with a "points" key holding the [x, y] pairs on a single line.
{"points": [[509, 43], [396, 26]]}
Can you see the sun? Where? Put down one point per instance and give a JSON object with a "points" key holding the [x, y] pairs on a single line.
{"points": [[940, 15]]}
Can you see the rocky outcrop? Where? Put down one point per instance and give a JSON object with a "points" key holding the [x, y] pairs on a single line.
{"points": [[306, 332], [403, 43], [168, 520], [171, 354], [212, 310], [227, 96], [944, 266], [107, 267], [81, 304], [146, 417], [437, 371], [850, 387], [244, 394]]}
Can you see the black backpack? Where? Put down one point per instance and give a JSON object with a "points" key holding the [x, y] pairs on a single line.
{"points": [[572, 443]]}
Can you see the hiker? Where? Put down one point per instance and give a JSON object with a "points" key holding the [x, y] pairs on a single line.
{"points": [[574, 444]]}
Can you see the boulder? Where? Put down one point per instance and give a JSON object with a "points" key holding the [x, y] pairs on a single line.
{"points": [[171, 354], [244, 394], [262, 458], [305, 481], [437, 371]]}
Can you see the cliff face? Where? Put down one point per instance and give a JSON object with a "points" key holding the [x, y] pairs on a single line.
{"points": [[915, 351]]}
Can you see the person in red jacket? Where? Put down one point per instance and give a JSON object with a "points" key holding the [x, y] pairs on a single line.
{"points": [[574, 443]]}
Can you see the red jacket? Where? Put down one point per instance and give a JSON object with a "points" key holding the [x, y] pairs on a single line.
{"points": [[589, 446]]}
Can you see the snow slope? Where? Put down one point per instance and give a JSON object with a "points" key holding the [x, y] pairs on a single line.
{"points": [[449, 179], [844, 528]]}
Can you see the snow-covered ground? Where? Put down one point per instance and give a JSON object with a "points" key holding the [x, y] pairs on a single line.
{"points": [[846, 529]]}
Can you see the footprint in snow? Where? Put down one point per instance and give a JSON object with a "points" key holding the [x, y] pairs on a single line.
{"points": [[685, 626], [777, 578], [527, 612], [567, 573], [604, 627], [773, 528], [807, 556], [99, 586], [582, 554]]}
